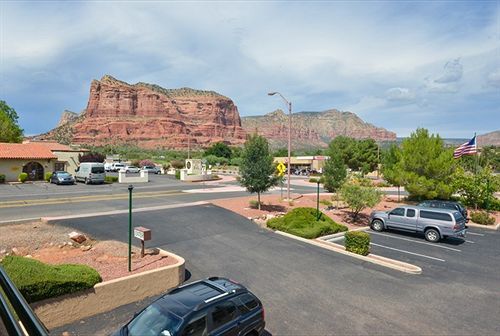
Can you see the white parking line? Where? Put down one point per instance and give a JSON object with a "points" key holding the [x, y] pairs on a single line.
{"points": [[475, 234], [418, 242], [335, 239], [468, 241], [403, 251]]}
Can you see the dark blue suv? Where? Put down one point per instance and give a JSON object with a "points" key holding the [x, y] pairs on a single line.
{"points": [[215, 306]]}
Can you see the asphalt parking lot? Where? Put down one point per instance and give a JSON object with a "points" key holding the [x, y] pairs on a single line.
{"points": [[475, 253]]}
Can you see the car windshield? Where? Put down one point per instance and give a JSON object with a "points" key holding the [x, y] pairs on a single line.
{"points": [[153, 321], [97, 170], [63, 174]]}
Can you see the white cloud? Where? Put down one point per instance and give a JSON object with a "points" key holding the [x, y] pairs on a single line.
{"points": [[400, 95], [452, 72], [494, 78]]}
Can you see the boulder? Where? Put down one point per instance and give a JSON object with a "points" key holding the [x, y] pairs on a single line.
{"points": [[77, 237]]}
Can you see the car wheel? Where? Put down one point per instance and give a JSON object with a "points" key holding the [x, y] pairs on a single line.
{"points": [[377, 225], [432, 235], [87, 181]]}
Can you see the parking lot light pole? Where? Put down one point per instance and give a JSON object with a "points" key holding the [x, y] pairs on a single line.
{"points": [[317, 201], [130, 188], [289, 105]]}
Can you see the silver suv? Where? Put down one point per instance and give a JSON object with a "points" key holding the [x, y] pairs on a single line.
{"points": [[433, 223]]}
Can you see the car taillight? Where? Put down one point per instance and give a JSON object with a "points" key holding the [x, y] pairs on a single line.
{"points": [[456, 226]]}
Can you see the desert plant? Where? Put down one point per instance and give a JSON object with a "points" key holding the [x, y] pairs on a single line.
{"points": [[177, 164], [111, 179], [22, 177], [48, 175], [359, 196], [178, 174], [254, 204], [38, 281], [2, 178], [482, 217], [303, 222], [326, 202], [357, 242]]}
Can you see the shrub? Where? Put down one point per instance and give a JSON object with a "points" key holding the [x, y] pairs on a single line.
{"points": [[359, 196], [302, 222], [135, 163], [177, 164], [325, 202], [48, 176], [37, 281], [178, 174], [2, 178], [254, 204], [111, 179], [482, 217], [357, 242], [22, 177], [236, 161]]}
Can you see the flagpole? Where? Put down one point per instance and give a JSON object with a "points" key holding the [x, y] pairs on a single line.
{"points": [[477, 155]]}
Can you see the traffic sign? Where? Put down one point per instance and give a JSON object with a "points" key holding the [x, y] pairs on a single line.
{"points": [[281, 169]]}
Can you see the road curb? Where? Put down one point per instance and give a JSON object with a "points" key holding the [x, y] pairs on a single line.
{"points": [[372, 258], [118, 212], [19, 221], [488, 227], [340, 234]]}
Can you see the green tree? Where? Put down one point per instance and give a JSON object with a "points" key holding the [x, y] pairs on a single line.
{"points": [[359, 194], [364, 156], [334, 172], [477, 189], [257, 169], [91, 157], [343, 145], [219, 149], [9, 128], [358, 155], [391, 167], [282, 152], [427, 166]]}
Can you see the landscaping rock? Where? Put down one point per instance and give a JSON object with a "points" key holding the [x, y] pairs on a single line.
{"points": [[86, 248], [15, 251], [77, 237]]}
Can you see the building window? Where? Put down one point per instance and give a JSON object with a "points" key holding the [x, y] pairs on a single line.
{"points": [[59, 166]]}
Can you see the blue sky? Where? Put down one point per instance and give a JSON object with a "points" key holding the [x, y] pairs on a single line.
{"points": [[399, 65]]}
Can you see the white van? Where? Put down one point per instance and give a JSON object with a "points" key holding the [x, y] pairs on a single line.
{"points": [[90, 172]]}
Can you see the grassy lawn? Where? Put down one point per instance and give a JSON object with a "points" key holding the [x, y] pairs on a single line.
{"points": [[302, 222]]}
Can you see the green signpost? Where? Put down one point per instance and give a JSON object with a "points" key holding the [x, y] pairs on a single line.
{"points": [[317, 202], [130, 188]]}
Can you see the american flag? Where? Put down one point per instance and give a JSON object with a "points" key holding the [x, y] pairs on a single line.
{"points": [[468, 148]]}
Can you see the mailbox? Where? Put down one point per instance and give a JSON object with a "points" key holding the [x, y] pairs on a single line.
{"points": [[142, 233]]}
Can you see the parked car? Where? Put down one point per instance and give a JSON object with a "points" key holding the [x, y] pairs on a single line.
{"points": [[445, 205], [130, 169], [434, 223], [116, 167], [90, 172], [151, 169], [108, 166], [214, 306], [62, 177]]}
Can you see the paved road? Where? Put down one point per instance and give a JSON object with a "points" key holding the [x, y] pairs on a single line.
{"points": [[28, 201], [308, 290]]}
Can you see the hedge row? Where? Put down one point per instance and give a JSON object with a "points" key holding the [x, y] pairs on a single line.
{"points": [[302, 222], [37, 281], [357, 242], [111, 179]]}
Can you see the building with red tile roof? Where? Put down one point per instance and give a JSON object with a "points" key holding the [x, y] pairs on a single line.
{"points": [[36, 159]]}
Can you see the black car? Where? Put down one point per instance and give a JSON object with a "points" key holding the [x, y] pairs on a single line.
{"points": [[214, 306], [62, 177], [445, 205]]}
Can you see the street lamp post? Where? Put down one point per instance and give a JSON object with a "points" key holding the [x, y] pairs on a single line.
{"points": [[130, 188], [289, 105]]}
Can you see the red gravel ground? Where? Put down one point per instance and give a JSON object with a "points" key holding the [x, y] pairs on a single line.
{"points": [[273, 204], [109, 258]]}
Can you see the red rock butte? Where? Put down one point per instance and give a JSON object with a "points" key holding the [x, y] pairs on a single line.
{"points": [[150, 116]]}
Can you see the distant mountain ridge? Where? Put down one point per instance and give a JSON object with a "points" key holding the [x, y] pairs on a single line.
{"points": [[489, 139], [313, 129]]}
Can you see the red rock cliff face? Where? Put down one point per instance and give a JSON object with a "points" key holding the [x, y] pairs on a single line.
{"points": [[152, 117]]}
